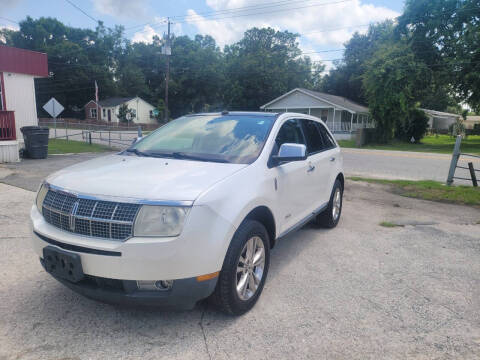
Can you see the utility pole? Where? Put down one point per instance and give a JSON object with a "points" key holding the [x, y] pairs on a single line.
{"points": [[167, 78]]}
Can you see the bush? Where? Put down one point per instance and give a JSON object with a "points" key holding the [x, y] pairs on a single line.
{"points": [[414, 126]]}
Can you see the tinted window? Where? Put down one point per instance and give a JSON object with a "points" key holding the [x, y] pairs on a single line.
{"points": [[314, 140], [327, 138], [290, 132], [230, 138]]}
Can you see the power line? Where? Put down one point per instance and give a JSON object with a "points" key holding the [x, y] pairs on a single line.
{"points": [[82, 11], [10, 20], [224, 12], [256, 13]]}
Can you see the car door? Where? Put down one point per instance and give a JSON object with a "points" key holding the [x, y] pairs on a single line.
{"points": [[318, 162], [290, 178], [332, 157]]}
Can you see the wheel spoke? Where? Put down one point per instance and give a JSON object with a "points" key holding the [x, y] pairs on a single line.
{"points": [[240, 269], [258, 257], [250, 250], [251, 283], [242, 284]]}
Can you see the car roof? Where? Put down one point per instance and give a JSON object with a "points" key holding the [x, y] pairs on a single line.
{"points": [[238, 113]]}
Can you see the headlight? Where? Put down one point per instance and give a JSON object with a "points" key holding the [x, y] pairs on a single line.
{"points": [[160, 220], [42, 192]]}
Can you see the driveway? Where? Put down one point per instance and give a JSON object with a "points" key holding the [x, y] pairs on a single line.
{"points": [[359, 291]]}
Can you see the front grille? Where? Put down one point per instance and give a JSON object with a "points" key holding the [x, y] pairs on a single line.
{"points": [[103, 219]]}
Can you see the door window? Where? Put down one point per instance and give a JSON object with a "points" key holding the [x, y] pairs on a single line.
{"points": [[314, 139], [290, 132], [328, 141]]}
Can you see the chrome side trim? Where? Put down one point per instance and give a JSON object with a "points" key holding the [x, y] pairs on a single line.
{"points": [[129, 200], [303, 221]]}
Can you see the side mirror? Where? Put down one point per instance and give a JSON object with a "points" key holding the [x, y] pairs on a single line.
{"points": [[290, 152]]}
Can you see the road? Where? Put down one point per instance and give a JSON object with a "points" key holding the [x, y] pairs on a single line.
{"points": [[359, 291], [402, 165]]}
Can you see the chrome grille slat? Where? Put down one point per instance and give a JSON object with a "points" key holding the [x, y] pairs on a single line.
{"points": [[96, 218]]}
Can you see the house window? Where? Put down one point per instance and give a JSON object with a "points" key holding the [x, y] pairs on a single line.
{"points": [[151, 113], [93, 113], [103, 111]]}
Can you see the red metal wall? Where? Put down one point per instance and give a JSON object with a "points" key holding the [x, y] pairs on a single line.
{"points": [[23, 61]]}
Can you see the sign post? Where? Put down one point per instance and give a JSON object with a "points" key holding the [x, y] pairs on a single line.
{"points": [[54, 108]]}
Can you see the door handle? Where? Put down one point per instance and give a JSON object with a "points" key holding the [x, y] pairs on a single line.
{"points": [[310, 168], [332, 159]]}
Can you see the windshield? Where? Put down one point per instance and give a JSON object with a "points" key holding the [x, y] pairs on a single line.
{"points": [[223, 138]]}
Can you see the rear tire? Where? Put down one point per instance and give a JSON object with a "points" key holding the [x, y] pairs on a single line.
{"points": [[330, 217], [244, 269]]}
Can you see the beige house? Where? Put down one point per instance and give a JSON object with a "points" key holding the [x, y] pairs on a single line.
{"points": [[342, 116], [471, 121], [108, 110]]}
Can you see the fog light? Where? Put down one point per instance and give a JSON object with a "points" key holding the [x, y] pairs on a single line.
{"points": [[154, 285]]}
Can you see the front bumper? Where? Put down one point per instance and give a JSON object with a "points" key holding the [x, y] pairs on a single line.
{"points": [[199, 250], [183, 295]]}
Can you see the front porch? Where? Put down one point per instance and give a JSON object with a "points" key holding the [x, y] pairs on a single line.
{"points": [[342, 116], [8, 138]]}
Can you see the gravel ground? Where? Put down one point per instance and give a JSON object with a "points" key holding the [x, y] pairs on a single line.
{"points": [[359, 291]]}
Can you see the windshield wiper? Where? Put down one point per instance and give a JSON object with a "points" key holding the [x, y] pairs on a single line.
{"points": [[136, 152], [185, 156], [182, 155]]}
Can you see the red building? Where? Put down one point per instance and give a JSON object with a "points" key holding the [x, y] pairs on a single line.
{"points": [[18, 69]]}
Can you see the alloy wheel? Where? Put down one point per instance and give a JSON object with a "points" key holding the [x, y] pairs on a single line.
{"points": [[250, 268]]}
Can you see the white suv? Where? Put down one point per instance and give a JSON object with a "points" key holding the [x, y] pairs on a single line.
{"points": [[189, 211]]}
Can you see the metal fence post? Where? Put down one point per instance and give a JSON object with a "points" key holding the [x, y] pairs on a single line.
{"points": [[90, 137], [472, 174], [453, 163], [109, 134], [139, 131], [66, 128]]}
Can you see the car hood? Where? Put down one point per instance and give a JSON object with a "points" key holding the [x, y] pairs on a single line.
{"points": [[147, 178]]}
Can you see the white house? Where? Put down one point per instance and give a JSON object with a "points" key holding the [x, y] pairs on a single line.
{"points": [[438, 120], [18, 69], [342, 116], [108, 109]]}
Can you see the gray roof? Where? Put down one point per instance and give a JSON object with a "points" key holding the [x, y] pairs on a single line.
{"points": [[436, 113], [335, 100], [339, 101], [114, 101]]}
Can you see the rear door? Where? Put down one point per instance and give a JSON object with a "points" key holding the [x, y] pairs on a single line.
{"points": [[332, 154], [318, 163]]}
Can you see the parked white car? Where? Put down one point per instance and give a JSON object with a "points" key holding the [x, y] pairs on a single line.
{"points": [[190, 211]]}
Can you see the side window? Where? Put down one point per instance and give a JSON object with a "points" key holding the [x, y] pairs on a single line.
{"points": [[314, 139], [327, 138], [290, 132]]}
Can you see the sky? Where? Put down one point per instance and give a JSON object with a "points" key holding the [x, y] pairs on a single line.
{"points": [[324, 25]]}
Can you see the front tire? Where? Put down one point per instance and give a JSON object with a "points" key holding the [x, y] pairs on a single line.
{"points": [[244, 269], [330, 217]]}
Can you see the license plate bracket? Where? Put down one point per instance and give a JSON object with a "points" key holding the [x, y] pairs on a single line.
{"points": [[63, 264]]}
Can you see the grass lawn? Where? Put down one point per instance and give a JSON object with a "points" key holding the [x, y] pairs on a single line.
{"points": [[61, 146], [431, 190], [436, 144]]}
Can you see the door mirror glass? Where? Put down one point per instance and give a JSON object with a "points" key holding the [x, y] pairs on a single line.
{"points": [[291, 152]]}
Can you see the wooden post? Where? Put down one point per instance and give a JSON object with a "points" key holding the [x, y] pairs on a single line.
{"points": [[453, 163], [472, 174]]}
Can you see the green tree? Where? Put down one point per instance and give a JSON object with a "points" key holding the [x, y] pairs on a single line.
{"points": [[125, 114], [263, 65], [445, 35], [393, 82]]}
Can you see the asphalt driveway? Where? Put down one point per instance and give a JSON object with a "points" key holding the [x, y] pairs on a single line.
{"points": [[360, 291]]}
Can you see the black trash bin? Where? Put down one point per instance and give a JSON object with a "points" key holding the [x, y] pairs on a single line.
{"points": [[36, 141]]}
